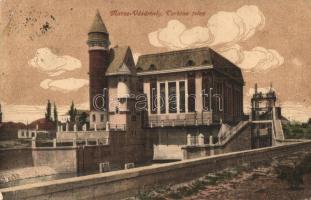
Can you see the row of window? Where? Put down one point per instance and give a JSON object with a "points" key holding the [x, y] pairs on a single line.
{"points": [[28, 134], [171, 97], [102, 117], [224, 99]]}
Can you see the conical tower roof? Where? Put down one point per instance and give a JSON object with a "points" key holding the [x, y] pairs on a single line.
{"points": [[98, 25]]}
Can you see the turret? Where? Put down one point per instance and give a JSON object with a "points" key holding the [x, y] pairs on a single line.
{"points": [[98, 36], [99, 60], [98, 42]]}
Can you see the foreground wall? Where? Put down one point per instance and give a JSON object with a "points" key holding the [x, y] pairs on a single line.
{"points": [[116, 185]]}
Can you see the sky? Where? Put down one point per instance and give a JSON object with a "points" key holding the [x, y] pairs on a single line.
{"points": [[44, 55]]}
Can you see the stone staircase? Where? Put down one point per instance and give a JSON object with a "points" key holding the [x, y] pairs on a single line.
{"points": [[231, 132]]}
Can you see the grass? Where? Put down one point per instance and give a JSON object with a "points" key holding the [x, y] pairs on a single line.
{"points": [[191, 188]]}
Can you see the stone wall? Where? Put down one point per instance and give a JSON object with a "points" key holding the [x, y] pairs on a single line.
{"points": [[117, 185], [61, 159], [15, 158]]}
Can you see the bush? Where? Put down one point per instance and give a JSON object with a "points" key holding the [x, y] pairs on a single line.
{"points": [[293, 172]]}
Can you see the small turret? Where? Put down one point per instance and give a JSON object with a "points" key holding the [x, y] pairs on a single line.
{"points": [[98, 35]]}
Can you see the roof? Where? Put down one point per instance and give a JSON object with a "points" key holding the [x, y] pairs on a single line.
{"points": [[180, 59], [43, 124], [98, 25], [174, 59], [12, 125], [121, 61]]}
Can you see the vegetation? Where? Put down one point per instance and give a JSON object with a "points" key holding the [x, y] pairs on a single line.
{"points": [[55, 114], [295, 130], [48, 116], [83, 118], [293, 172], [72, 112], [189, 189]]}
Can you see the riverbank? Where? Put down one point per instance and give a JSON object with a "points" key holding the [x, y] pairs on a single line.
{"points": [[236, 183]]}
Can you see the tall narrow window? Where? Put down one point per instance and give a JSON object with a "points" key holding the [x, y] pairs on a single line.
{"points": [[182, 93], [153, 96], [162, 98], [191, 93], [172, 97], [206, 86]]}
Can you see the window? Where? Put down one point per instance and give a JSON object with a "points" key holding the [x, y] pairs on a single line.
{"points": [[140, 85], [153, 96], [33, 134], [162, 98], [191, 93], [152, 67], [182, 93], [94, 117], [172, 97], [205, 62], [190, 63], [206, 85], [102, 117]]}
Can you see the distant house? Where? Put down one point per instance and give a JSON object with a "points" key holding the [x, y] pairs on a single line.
{"points": [[9, 130], [40, 128]]}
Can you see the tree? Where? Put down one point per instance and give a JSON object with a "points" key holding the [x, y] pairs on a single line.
{"points": [[82, 118], [72, 112], [48, 111], [55, 114]]}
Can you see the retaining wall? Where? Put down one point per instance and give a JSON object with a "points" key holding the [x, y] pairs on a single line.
{"points": [[120, 184]]}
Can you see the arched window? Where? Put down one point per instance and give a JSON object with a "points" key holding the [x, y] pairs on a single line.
{"points": [[190, 63]]}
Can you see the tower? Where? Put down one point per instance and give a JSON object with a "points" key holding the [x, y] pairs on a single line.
{"points": [[99, 59]]}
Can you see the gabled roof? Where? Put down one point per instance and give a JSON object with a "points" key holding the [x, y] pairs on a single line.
{"points": [[193, 58], [121, 61], [98, 25]]}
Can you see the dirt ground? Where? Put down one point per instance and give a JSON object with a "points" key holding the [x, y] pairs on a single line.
{"points": [[260, 184]]}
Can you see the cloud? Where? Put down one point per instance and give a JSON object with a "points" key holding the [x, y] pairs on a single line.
{"points": [[223, 28], [64, 85], [223, 32], [48, 62], [257, 59]]}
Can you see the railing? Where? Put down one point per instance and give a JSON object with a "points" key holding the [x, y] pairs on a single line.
{"points": [[116, 127], [189, 119], [69, 142]]}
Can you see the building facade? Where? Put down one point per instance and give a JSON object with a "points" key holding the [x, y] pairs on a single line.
{"points": [[169, 95]]}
